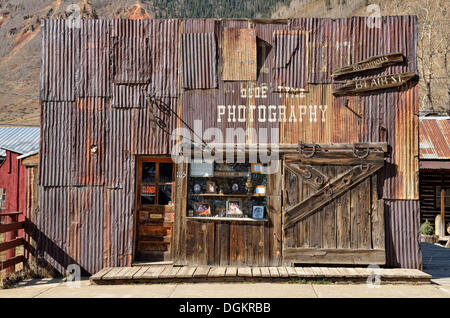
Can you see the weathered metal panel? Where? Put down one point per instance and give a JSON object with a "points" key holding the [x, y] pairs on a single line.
{"points": [[318, 117], [60, 57], [199, 25], [164, 36], [70, 231], [291, 59], [88, 141], [403, 233], [128, 96], [199, 60], [93, 69], [132, 60], [118, 147], [434, 134], [145, 139], [239, 54], [56, 144]]}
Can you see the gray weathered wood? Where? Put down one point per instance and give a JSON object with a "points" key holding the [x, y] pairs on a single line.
{"points": [[334, 256]]}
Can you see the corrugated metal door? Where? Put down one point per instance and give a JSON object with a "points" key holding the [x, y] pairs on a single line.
{"points": [[331, 210]]}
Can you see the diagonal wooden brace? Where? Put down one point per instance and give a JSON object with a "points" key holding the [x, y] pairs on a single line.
{"points": [[325, 195]]}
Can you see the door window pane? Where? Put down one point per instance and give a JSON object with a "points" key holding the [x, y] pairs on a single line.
{"points": [[165, 172], [148, 199], [165, 194], [148, 172]]}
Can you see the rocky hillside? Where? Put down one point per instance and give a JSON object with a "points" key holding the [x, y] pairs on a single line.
{"points": [[21, 40]]}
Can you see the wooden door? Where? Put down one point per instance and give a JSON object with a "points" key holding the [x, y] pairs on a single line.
{"points": [[331, 210], [155, 203]]}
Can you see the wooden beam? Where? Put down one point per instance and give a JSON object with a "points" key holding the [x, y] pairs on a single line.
{"points": [[11, 227], [11, 262], [373, 83], [317, 200], [334, 256], [370, 63], [11, 244]]}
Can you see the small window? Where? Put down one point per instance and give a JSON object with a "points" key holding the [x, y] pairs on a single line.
{"points": [[156, 182], [2, 199]]}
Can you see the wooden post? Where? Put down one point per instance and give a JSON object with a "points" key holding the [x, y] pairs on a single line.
{"points": [[443, 210]]}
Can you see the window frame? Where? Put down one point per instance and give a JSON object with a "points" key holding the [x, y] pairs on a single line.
{"points": [[156, 183]]}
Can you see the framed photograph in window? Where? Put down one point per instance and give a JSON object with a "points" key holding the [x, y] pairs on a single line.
{"points": [[258, 212], [211, 187], [234, 207], [202, 209], [256, 168]]}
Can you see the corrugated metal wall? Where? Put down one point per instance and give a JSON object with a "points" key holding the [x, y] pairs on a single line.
{"points": [[95, 117]]}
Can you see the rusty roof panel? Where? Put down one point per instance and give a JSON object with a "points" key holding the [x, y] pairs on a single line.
{"points": [[239, 54], [291, 59], [93, 70], [434, 134], [56, 144], [198, 60], [403, 233], [88, 142], [59, 60]]}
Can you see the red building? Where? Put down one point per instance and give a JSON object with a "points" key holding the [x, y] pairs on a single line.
{"points": [[16, 145]]}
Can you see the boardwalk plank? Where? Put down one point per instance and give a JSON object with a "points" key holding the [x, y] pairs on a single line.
{"points": [[231, 272], [201, 271], [282, 271], [217, 272], [265, 271], [291, 272], [256, 272], [244, 272], [153, 272], [101, 273], [169, 272], [186, 272], [140, 272]]}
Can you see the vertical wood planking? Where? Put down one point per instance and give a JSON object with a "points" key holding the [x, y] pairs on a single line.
{"points": [[343, 221]]}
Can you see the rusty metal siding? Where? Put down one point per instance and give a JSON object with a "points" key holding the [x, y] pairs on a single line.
{"points": [[164, 40], [291, 58], [55, 144], [199, 25], [147, 141], [93, 69], [132, 57], [198, 60], [60, 57], [402, 218], [434, 138], [88, 142], [239, 54], [128, 96]]}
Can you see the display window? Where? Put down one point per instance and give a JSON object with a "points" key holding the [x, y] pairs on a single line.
{"points": [[226, 190]]}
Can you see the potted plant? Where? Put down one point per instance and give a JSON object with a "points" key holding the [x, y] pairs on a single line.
{"points": [[427, 233]]}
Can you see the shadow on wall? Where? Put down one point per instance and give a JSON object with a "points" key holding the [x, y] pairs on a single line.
{"points": [[46, 248]]}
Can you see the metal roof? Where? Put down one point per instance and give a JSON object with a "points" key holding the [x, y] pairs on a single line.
{"points": [[19, 139], [434, 136]]}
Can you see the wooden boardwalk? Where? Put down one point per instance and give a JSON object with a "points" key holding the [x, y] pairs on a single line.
{"points": [[176, 274]]}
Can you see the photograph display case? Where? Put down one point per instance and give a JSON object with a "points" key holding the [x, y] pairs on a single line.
{"points": [[226, 190]]}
